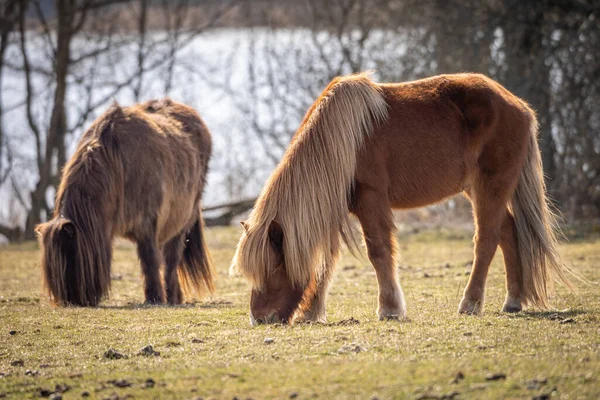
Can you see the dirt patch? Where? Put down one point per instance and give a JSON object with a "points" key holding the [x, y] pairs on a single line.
{"points": [[113, 354], [148, 351], [347, 322], [352, 348], [120, 383], [499, 376]]}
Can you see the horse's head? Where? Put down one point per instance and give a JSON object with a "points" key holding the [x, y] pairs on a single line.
{"points": [[75, 263], [58, 243], [274, 297]]}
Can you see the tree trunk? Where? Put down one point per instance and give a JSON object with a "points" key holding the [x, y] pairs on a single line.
{"points": [[528, 75], [465, 44], [9, 13], [54, 158], [538, 76]]}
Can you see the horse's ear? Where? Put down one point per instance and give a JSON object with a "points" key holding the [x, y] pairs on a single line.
{"points": [[245, 226], [68, 229], [276, 235], [38, 230]]}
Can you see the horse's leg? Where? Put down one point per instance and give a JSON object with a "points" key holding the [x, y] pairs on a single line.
{"points": [[314, 308], [489, 210], [172, 253], [375, 215], [512, 265], [150, 259]]}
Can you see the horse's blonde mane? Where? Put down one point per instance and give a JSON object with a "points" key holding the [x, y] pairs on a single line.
{"points": [[308, 193]]}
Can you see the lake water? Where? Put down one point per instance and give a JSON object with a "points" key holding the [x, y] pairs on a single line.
{"points": [[227, 75]]}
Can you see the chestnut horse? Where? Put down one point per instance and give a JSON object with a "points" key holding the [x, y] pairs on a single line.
{"points": [[368, 148], [138, 172]]}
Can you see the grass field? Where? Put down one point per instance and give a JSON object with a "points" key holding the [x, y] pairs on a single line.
{"points": [[208, 349]]}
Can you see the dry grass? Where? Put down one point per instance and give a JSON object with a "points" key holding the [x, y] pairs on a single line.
{"points": [[208, 348]]}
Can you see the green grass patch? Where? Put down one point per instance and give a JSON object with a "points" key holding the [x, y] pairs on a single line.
{"points": [[208, 349]]}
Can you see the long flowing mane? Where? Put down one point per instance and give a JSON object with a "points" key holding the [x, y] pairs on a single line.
{"points": [[76, 248], [308, 193]]}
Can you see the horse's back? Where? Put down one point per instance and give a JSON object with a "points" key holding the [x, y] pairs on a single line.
{"points": [[185, 118], [164, 148], [437, 130]]}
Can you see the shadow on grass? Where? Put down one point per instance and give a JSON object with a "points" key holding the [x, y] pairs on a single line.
{"points": [[560, 316], [193, 304]]}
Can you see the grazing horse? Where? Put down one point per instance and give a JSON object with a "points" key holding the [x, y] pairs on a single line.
{"points": [[368, 148], [138, 172]]}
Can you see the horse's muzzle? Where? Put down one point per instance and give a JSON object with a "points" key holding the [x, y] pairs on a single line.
{"points": [[271, 319]]}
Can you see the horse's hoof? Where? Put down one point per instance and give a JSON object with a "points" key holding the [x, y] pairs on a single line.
{"points": [[271, 319], [174, 298], [512, 305], [512, 310], [392, 307], [470, 307], [154, 301], [392, 315], [174, 301], [399, 318]]}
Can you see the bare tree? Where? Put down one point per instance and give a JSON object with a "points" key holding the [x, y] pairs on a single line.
{"points": [[78, 51], [9, 15], [280, 60], [544, 52]]}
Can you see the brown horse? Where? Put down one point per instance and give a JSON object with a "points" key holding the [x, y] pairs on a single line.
{"points": [[138, 172], [368, 148]]}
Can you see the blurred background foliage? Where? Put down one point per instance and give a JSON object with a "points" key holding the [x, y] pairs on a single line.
{"points": [[253, 67]]}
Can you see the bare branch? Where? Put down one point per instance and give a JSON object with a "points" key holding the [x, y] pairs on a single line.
{"points": [[35, 129]]}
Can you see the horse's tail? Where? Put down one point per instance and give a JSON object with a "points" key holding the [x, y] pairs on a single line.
{"points": [[536, 227], [75, 263], [196, 270]]}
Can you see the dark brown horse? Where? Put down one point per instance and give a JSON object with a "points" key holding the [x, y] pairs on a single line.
{"points": [[368, 148], [138, 172]]}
